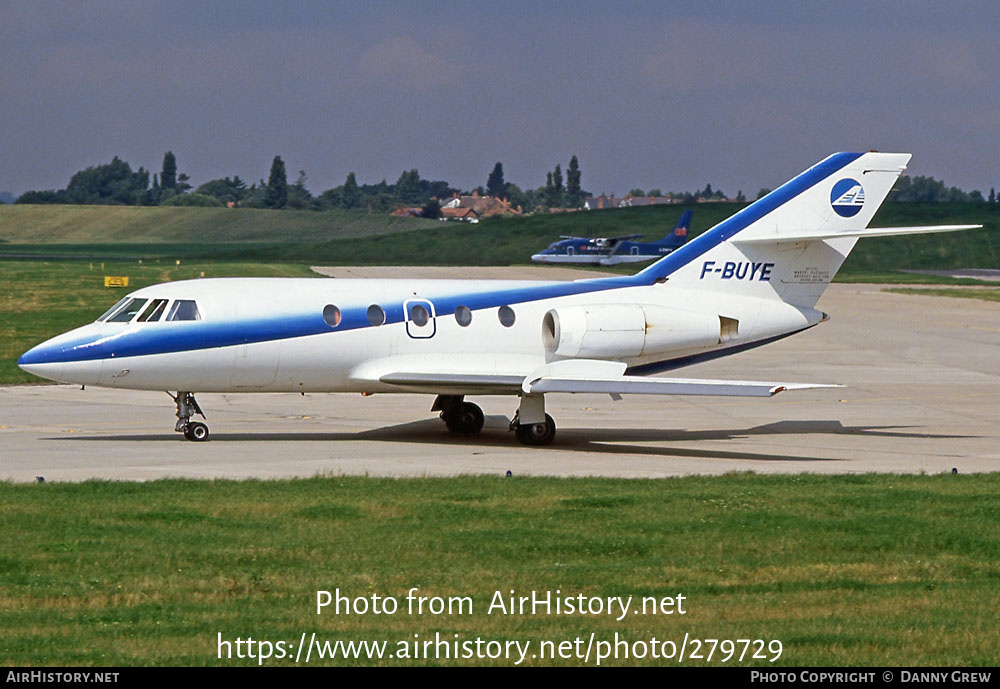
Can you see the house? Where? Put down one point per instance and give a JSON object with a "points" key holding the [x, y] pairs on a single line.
{"points": [[484, 206], [464, 214]]}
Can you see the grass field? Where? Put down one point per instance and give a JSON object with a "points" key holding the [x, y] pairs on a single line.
{"points": [[84, 225], [985, 293], [847, 571]]}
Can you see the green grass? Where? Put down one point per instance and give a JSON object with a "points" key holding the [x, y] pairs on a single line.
{"points": [[96, 225], [40, 299], [985, 294], [845, 571]]}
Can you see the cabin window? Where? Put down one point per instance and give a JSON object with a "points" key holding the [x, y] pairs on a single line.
{"points": [[463, 316], [419, 315], [506, 316], [153, 311], [331, 314], [113, 309], [376, 316], [128, 311], [184, 310]]}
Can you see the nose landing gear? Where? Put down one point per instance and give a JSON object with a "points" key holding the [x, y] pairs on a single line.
{"points": [[187, 406]]}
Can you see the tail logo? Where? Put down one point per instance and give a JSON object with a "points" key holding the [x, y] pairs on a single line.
{"points": [[847, 197]]}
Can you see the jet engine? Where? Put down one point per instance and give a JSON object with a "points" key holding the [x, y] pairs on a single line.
{"points": [[628, 331]]}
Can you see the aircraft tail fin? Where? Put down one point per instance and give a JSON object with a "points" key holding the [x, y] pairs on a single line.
{"points": [[790, 243], [679, 235]]}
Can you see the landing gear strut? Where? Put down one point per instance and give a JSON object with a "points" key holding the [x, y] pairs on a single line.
{"points": [[461, 417], [531, 424], [187, 406]]}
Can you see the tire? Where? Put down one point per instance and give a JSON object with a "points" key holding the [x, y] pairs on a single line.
{"points": [[464, 419], [196, 432], [537, 433]]}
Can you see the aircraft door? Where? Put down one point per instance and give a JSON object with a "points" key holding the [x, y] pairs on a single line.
{"points": [[420, 315]]}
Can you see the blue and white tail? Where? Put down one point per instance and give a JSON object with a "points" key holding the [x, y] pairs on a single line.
{"points": [[680, 232], [789, 244]]}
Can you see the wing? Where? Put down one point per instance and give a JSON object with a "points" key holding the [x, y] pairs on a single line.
{"points": [[586, 375]]}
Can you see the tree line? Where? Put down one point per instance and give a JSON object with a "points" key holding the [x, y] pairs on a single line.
{"points": [[115, 183]]}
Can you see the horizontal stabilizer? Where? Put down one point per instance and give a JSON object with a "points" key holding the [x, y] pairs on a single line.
{"points": [[638, 385], [869, 232]]}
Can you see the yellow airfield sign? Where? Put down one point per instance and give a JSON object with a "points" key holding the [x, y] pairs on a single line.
{"points": [[116, 280]]}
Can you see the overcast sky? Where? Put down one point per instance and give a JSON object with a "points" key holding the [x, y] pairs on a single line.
{"points": [[647, 94]]}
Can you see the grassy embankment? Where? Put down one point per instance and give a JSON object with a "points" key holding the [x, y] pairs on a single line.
{"points": [[356, 238], [844, 571]]}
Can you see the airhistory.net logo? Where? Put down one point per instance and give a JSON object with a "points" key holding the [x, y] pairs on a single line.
{"points": [[847, 197]]}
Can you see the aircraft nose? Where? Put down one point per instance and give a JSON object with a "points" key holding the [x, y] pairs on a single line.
{"points": [[73, 357], [39, 361]]}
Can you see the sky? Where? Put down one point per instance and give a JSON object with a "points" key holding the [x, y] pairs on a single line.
{"points": [[671, 95]]}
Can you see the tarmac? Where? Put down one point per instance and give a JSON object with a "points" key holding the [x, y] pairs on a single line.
{"points": [[921, 394]]}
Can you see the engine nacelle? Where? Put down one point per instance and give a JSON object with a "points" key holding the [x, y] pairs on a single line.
{"points": [[628, 331]]}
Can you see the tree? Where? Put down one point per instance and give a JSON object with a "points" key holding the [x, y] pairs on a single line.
{"points": [[226, 190], [168, 176], [636, 192], [993, 195], [574, 197], [350, 196], [276, 195], [408, 188], [299, 197], [762, 192], [431, 210], [49, 196], [114, 183], [740, 197], [557, 187], [495, 183]]}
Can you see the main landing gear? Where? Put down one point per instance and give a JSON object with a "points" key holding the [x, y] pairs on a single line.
{"points": [[461, 417], [531, 424], [187, 406]]}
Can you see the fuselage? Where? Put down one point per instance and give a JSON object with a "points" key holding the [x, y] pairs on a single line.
{"points": [[597, 252], [343, 335]]}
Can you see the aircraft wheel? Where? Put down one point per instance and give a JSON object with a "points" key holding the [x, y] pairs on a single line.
{"points": [[464, 419], [537, 433], [197, 432]]}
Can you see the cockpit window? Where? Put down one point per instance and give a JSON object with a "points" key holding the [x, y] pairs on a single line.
{"points": [[184, 310], [153, 311], [112, 309], [127, 311]]}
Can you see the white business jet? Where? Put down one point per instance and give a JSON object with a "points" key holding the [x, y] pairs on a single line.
{"points": [[750, 280]]}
